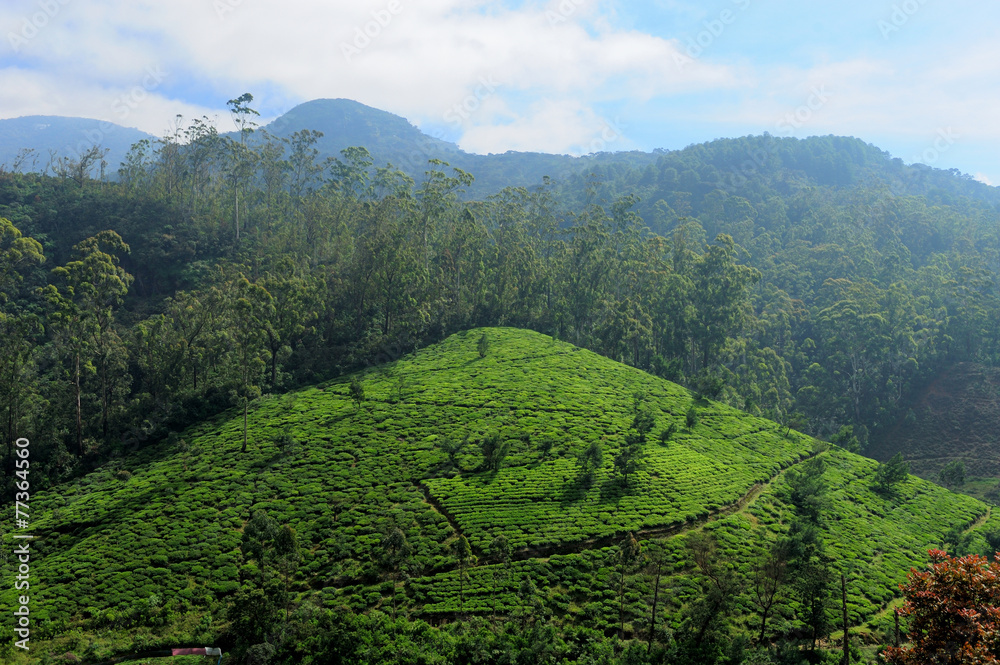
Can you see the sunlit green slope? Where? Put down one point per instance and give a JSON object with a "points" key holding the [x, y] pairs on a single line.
{"points": [[167, 523]]}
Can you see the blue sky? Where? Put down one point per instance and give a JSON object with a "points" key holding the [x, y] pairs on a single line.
{"points": [[918, 78]]}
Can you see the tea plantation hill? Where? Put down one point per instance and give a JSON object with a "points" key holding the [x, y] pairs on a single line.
{"points": [[147, 550]]}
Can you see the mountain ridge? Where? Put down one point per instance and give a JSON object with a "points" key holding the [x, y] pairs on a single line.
{"points": [[393, 139]]}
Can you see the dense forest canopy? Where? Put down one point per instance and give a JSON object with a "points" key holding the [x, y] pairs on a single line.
{"points": [[817, 283], [814, 282]]}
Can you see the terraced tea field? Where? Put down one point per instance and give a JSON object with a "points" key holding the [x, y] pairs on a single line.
{"points": [[168, 522]]}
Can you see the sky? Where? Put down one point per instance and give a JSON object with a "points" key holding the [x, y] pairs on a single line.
{"points": [[917, 78]]}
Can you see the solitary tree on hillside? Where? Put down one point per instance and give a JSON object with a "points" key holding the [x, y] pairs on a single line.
{"points": [[286, 550], [591, 459], [953, 473], [483, 346], [658, 560], [767, 583], [891, 473], [357, 392], [722, 586], [500, 556], [808, 489], [668, 433], [464, 558], [246, 304], [243, 116], [629, 553], [395, 554], [452, 447], [691, 417], [494, 448]]}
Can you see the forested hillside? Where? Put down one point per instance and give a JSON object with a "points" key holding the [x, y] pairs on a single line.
{"points": [[163, 325], [814, 282]]}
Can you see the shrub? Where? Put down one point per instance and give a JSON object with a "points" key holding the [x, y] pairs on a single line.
{"points": [[668, 433], [953, 474], [891, 473]]}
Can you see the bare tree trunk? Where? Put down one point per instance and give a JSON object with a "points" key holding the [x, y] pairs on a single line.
{"points": [[79, 410], [461, 589], [621, 601], [105, 398], [652, 614], [843, 592], [395, 581], [244, 448]]}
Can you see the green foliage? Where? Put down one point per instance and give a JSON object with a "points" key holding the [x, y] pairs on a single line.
{"points": [[808, 489], [452, 447], [893, 472], [630, 456], [483, 346], [357, 391], [328, 277], [255, 614], [953, 474], [668, 433], [846, 439], [17, 253], [495, 449], [643, 422]]}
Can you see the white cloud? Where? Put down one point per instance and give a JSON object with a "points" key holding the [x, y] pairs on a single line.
{"points": [[561, 127], [139, 105], [421, 59], [415, 59]]}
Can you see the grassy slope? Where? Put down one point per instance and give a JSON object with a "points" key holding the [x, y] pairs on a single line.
{"points": [[168, 522]]}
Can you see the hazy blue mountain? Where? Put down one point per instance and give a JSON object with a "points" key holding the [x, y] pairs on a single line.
{"points": [[391, 138], [66, 137], [344, 123], [739, 165]]}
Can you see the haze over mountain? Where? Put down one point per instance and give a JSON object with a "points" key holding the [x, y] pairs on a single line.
{"points": [[344, 123], [48, 136], [393, 139]]}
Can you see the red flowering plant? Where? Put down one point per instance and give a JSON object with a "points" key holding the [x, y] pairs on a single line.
{"points": [[954, 613]]}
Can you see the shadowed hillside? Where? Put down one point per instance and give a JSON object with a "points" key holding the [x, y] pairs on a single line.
{"points": [[955, 417]]}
